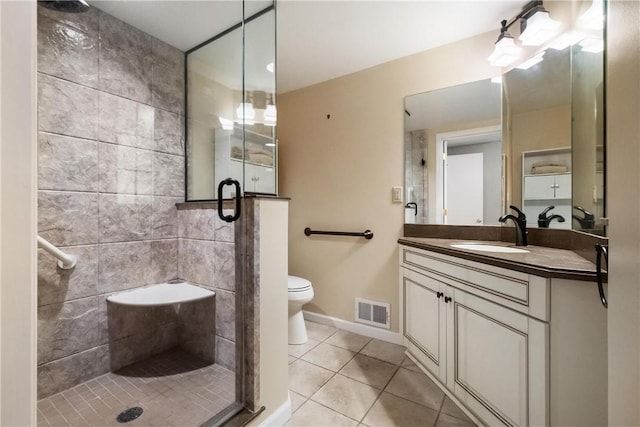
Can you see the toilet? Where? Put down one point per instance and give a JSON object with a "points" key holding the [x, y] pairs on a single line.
{"points": [[300, 293]]}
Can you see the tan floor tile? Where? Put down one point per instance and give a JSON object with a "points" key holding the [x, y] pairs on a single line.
{"points": [[346, 396], [306, 378], [450, 408], [297, 350], [329, 357], [348, 340], [312, 414], [296, 400], [416, 387], [292, 359], [408, 364], [390, 410], [445, 420], [383, 350], [318, 331], [368, 370]]}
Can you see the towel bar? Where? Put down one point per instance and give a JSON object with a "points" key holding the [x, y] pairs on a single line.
{"points": [[367, 234]]}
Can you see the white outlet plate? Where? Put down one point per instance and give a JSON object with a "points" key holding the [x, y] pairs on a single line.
{"points": [[396, 194]]}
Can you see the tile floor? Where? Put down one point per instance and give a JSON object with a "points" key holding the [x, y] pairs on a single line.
{"points": [[174, 389], [343, 379]]}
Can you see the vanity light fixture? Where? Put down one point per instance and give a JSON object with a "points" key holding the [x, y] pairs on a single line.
{"points": [[536, 27], [506, 51]]}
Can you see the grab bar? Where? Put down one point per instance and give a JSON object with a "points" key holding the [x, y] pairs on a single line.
{"points": [[65, 261], [367, 234]]}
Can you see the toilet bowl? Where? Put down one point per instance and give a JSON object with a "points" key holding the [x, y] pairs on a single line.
{"points": [[300, 293]]}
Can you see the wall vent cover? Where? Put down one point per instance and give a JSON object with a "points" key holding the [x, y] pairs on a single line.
{"points": [[373, 313]]}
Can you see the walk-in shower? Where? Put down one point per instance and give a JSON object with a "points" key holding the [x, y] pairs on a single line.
{"points": [[150, 325]]}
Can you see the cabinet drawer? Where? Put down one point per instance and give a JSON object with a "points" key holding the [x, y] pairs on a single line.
{"points": [[519, 291]]}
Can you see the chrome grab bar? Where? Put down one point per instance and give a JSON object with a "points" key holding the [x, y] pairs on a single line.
{"points": [[65, 261]]}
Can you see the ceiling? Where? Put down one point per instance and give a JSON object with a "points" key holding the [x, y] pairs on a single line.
{"points": [[319, 40]]}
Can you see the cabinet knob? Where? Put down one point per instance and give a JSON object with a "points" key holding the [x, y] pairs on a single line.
{"points": [[447, 299], [439, 294]]}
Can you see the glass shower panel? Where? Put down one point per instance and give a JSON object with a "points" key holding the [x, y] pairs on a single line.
{"points": [[231, 111], [260, 150], [214, 89]]}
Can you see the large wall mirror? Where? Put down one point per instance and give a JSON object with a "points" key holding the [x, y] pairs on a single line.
{"points": [[532, 137]]}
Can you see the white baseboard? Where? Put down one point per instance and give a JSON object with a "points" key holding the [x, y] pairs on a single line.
{"points": [[356, 328], [279, 416]]}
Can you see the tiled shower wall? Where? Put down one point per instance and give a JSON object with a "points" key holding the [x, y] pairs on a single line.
{"points": [[111, 168]]}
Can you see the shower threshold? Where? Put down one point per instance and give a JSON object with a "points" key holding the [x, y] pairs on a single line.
{"points": [[173, 388]]}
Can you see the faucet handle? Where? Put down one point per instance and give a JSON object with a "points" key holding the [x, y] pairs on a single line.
{"points": [[521, 215], [543, 214]]}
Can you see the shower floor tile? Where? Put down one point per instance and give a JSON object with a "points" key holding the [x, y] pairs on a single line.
{"points": [[174, 388]]}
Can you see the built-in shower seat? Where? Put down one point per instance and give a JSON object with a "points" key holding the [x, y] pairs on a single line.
{"points": [[161, 294]]}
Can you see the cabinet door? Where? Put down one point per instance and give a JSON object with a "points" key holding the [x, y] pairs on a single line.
{"points": [[425, 321], [539, 187], [563, 186], [497, 362]]}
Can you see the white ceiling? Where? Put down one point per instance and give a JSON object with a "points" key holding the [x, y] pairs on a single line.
{"points": [[322, 39]]}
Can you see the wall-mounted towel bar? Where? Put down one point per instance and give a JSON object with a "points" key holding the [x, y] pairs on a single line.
{"points": [[65, 261], [367, 234]]}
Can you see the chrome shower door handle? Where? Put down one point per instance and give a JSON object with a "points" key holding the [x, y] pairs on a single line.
{"points": [[236, 214], [601, 250]]}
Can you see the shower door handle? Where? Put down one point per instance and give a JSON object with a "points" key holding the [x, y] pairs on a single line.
{"points": [[236, 214]]}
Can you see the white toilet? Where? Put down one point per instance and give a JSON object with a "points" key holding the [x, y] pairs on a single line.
{"points": [[300, 293]]}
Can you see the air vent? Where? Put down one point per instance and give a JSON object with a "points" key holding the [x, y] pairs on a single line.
{"points": [[373, 313]]}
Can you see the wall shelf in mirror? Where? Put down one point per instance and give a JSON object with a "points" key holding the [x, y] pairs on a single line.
{"points": [[546, 182]]}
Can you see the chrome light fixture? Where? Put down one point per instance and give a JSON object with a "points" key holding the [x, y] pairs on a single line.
{"points": [[506, 51], [245, 113], [536, 26]]}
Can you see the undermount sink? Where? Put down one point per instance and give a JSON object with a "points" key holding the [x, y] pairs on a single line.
{"points": [[489, 248]]}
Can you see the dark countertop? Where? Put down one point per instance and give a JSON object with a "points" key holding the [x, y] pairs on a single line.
{"points": [[539, 261]]}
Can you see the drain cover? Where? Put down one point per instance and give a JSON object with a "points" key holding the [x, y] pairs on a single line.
{"points": [[129, 414]]}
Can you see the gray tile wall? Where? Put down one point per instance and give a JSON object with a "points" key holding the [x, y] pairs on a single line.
{"points": [[111, 168], [206, 256]]}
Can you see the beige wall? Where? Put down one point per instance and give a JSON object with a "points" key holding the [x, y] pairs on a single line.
{"points": [[18, 214], [339, 171], [623, 208]]}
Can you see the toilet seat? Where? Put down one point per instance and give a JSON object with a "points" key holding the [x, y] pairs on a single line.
{"points": [[298, 284]]}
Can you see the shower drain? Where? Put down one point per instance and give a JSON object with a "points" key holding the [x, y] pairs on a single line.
{"points": [[129, 414]]}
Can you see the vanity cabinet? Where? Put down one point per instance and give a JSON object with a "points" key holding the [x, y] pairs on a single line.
{"points": [[488, 337]]}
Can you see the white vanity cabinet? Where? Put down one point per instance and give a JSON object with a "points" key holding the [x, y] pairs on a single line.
{"points": [[488, 337]]}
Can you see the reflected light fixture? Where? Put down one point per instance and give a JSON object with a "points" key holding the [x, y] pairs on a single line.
{"points": [[270, 115], [531, 61], [270, 67], [566, 39], [226, 123], [592, 45], [245, 113], [593, 18], [505, 51], [536, 26]]}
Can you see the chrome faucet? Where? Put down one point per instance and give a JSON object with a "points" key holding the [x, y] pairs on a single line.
{"points": [[521, 225], [544, 220]]}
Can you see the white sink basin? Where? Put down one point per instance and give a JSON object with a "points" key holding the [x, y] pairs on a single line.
{"points": [[489, 248]]}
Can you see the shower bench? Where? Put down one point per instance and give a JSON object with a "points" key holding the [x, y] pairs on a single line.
{"points": [[161, 294]]}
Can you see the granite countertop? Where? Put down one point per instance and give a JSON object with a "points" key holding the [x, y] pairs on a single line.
{"points": [[539, 261]]}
